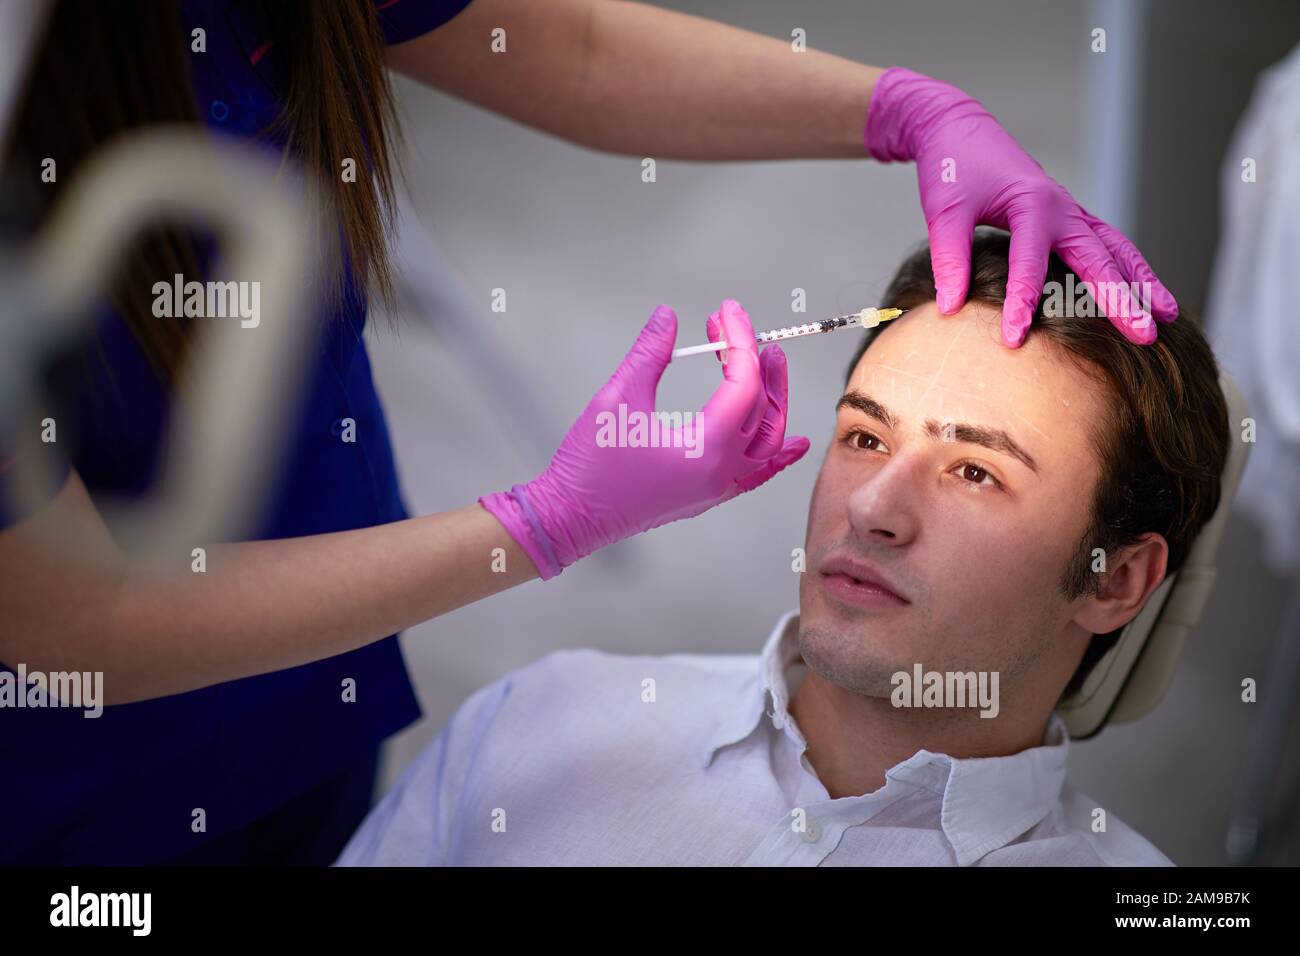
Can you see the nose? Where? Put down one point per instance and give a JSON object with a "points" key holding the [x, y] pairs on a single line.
{"points": [[884, 508]]}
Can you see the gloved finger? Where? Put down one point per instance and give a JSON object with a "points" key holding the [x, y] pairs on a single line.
{"points": [[951, 232], [1163, 306], [713, 329], [637, 376], [794, 449], [1026, 272], [736, 406], [770, 434], [1085, 253]]}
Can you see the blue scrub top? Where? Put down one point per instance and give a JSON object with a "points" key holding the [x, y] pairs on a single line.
{"points": [[123, 788]]}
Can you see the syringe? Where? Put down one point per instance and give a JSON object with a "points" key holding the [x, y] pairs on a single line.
{"points": [[866, 319]]}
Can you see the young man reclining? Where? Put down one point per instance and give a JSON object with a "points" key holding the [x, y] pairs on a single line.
{"points": [[954, 529]]}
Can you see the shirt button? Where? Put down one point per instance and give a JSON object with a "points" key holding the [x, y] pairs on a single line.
{"points": [[778, 721], [219, 111], [812, 832]]}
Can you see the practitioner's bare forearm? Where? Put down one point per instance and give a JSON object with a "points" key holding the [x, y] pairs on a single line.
{"points": [[632, 78], [257, 607]]}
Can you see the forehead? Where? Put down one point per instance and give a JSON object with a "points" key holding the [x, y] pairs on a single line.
{"points": [[925, 365]]}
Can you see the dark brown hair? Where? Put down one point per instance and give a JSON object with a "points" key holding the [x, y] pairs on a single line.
{"points": [[1163, 442], [108, 68]]}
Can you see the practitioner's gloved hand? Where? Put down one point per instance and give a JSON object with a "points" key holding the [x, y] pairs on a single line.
{"points": [[607, 482], [971, 171]]}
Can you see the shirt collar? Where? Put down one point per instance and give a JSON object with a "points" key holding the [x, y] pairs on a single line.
{"points": [[743, 715], [987, 801]]}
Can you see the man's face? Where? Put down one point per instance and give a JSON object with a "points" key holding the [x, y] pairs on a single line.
{"points": [[941, 502]]}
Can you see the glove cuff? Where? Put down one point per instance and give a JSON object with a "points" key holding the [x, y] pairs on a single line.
{"points": [[885, 136], [903, 105], [516, 514]]}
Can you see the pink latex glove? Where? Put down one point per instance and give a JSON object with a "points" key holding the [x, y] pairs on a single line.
{"points": [[594, 493], [996, 183]]}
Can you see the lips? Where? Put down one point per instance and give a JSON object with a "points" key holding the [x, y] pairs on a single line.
{"points": [[855, 578]]}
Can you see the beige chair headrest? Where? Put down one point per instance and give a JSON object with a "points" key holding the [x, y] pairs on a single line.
{"points": [[1133, 676]]}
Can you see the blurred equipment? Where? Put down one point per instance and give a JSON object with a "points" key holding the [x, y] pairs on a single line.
{"points": [[1255, 330], [229, 409]]}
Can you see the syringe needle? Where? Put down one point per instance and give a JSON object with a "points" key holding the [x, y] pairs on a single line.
{"points": [[866, 319]]}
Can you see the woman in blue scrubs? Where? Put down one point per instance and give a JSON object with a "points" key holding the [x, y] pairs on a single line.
{"points": [[229, 740]]}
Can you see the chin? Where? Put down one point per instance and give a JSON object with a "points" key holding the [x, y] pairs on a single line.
{"points": [[841, 655]]}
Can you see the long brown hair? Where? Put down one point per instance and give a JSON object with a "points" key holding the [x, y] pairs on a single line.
{"points": [[107, 68]]}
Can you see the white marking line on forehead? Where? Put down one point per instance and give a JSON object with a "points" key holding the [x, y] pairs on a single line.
{"points": [[893, 384], [903, 371], [1031, 425], [900, 371], [893, 390], [961, 329]]}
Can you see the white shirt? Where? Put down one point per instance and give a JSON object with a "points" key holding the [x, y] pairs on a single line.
{"points": [[587, 758]]}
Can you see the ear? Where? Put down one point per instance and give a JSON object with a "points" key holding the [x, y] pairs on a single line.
{"points": [[1129, 579]]}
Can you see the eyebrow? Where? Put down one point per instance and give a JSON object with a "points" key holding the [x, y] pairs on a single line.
{"points": [[994, 439]]}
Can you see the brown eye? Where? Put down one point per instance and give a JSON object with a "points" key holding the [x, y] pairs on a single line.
{"points": [[975, 475], [857, 438]]}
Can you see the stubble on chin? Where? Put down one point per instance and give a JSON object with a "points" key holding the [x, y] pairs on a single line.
{"points": [[843, 658]]}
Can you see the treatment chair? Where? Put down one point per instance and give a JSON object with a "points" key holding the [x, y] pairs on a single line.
{"points": [[1132, 677]]}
